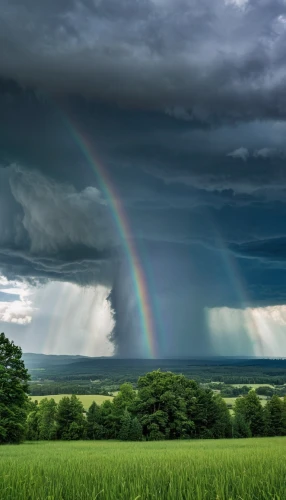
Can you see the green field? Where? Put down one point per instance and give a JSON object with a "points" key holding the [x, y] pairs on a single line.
{"points": [[253, 386], [88, 399], [231, 401], [252, 469], [85, 399]]}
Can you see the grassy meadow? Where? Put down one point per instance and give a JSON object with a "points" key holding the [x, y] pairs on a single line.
{"points": [[253, 386], [86, 399], [231, 401], [246, 469]]}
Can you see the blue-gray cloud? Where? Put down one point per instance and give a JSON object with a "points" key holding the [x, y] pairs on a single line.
{"points": [[187, 119], [174, 56]]}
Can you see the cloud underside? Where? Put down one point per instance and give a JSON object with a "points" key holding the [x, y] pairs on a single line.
{"points": [[174, 56], [182, 106], [51, 231]]}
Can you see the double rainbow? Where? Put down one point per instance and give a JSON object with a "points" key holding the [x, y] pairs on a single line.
{"points": [[121, 221]]}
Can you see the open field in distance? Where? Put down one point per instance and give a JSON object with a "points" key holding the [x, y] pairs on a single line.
{"points": [[86, 399], [98, 398], [231, 401], [253, 386]]}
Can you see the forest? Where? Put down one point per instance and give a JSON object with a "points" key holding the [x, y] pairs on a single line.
{"points": [[164, 406]]}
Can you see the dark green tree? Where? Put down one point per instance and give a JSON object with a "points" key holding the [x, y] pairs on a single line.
{"points": [[250, 408], [240, 427], [124, 432], [206, 414], [273, 413], [14, 379], [125, 397], [222, 426], [166, 405], [94, 428], [32, 428], [135, 430], [284, 416], [63, 418], [154, 433], [123, 401], [109, 420], [47, 419], [71, 423]]}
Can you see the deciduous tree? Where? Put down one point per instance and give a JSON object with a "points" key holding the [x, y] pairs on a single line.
{"points": [[94, 427], [14, 379]]}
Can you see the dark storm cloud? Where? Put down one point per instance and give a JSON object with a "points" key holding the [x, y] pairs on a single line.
{"points": [[154, 159], [192, 59], [183, 103], [52, 231], [271, 250]]}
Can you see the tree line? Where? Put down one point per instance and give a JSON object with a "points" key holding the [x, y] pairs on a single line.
{"points": [[164, 406]]}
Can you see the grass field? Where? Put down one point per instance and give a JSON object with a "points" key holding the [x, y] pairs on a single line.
{"points": [[254, 386], [85, 399], [252, 469], [88, 399], [231, 401]]}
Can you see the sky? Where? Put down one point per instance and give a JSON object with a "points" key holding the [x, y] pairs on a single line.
{"points": [[142, 177]]}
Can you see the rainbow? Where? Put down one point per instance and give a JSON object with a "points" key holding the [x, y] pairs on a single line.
{"points": [[122, 224]]}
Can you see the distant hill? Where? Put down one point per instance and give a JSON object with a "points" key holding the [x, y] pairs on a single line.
{"points": [[33, 360], [229, 370]]}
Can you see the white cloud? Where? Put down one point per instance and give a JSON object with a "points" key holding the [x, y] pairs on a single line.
{"points": [[20, 310], [59, 318], [72, 320], [15, 312], [240, 153], [260, 329]]}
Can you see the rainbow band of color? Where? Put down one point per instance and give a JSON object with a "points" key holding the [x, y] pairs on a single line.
{"points": [[138, 278]]}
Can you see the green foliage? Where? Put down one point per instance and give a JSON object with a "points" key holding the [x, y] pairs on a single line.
{"points": [[13, 392], [47, 419], [135, 431], [125, 422], [171, 406], [71, 424], [109, 420], [123, 401], [241, 428], [284, 416], [125, 397], [166, 406], [251, 410], [274, 417], [265, 391], [32, 429], [94, 428], [12, 424], [222, 426]]}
